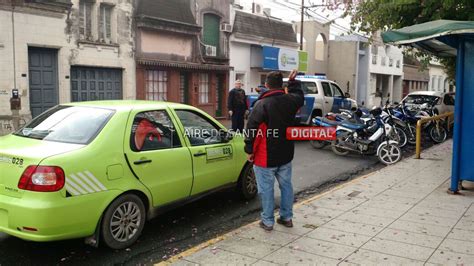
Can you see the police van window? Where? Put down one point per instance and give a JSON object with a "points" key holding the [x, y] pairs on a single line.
{"points": [[198, 129], [309, 87], [336, 90], [153, 130], [327, 89]]}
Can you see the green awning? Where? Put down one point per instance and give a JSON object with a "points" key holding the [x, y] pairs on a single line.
{"points": [[427, 35]]}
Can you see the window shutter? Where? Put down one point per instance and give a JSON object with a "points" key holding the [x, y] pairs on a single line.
{"points": [[81, 18], [88, 19], [101, 22], [211, 32], [108, 28]]}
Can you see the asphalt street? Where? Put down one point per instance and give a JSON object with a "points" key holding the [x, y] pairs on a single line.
{"points": [[190, 225]]}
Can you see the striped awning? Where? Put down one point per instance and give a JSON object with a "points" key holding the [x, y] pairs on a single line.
{"points": [[188, 66]]}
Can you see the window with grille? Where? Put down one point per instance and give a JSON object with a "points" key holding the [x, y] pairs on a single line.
{"points": [[105, 27], [204, 88], [85, 19], [156, 85]]}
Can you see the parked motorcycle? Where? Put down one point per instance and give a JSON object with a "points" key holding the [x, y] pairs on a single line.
{"points": [[410, 118], [361, 116], [333, 120], [368, 140], [436, 129]]}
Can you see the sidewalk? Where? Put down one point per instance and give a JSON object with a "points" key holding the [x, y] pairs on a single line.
{"points": [[398, 215]]}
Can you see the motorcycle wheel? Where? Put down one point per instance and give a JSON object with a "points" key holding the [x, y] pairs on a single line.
{"points": [[389, 153], [411, 134], [402, 137], [438, 134], [337, 150], [318, 144]]}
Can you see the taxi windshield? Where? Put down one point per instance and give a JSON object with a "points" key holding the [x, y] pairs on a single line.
{"points": [[68, 124]]}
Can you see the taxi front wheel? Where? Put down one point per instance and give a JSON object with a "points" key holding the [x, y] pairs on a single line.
{"points": [[247, 185], [123, 221]]}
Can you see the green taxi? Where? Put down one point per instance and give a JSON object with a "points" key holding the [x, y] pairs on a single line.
{"points": [[100, 169]]}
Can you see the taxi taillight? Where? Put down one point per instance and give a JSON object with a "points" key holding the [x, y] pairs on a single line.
{"points": [[42, 178]]}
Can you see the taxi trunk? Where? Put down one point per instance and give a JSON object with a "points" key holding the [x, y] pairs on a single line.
{"points": [[17, 153]]}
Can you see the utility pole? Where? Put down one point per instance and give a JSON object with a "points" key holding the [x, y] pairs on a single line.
{"points": [[301, 25]]}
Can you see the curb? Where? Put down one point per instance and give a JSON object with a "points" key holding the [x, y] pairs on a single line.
{"points": [[215, 240]]}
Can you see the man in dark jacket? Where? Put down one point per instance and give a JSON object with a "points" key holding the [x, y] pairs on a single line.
{"points": [[269, 149], [237, 105]]}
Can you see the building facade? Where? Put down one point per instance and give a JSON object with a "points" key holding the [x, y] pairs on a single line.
{"points": [[182, 52], [60, 51], [414, 79], [439, 80], [259, 44], [370, 73], [316, 44]]}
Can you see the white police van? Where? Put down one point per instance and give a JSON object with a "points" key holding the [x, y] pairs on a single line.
{"points": [[321, 97]]}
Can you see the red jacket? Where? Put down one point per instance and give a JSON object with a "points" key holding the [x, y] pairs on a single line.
{"points": [[273, 113]]}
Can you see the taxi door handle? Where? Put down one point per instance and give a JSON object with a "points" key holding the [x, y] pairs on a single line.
{"points": [[200, 153], [141, 162]]}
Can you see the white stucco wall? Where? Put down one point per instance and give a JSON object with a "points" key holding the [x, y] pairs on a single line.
{"points": [[438, 78], [342, 66], [240, 64], [386, 52]]}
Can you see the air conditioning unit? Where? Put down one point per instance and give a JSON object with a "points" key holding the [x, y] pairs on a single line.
{"points": [[257, 8], [226, 27], [210, 50]]}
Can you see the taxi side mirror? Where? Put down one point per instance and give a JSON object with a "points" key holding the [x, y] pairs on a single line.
{"points": [[227, 136]]}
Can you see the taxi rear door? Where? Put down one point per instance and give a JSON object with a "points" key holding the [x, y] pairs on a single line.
{"points": [[156, 154]]}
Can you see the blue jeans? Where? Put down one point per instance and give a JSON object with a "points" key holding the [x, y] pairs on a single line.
{"points": [[265, 183]]}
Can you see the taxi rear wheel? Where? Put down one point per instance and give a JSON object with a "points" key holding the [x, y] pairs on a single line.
{"points": [[123, 221], [247, 185]]}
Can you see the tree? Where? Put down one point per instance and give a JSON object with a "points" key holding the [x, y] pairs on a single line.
{"points": [[370, 16]]}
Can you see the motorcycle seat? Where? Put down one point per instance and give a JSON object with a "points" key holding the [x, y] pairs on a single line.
{"points": [[353, 125], [329, 123]]}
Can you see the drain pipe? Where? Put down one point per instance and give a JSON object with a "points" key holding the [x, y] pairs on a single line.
{"points": [[13, 43], [14, 109]]}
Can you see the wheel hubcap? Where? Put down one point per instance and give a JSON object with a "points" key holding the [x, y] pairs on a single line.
{"points": [[125, 221], [390, 154], [251, 182]]}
